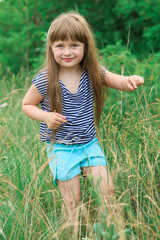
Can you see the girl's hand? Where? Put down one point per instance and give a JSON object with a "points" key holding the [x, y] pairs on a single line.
{"points": [[54, 120], [134, 82]]}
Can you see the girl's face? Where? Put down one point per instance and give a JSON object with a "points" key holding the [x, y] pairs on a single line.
{"points": [[68, 54]]}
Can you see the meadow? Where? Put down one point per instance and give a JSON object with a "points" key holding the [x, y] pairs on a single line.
{"points": [[129, 132]]}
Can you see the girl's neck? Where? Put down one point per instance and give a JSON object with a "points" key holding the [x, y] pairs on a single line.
{"points": [[71, 78], [70, 71]]}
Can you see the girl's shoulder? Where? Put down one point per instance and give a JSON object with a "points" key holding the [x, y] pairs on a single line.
{"points": [[41, 76], [40, 81]]}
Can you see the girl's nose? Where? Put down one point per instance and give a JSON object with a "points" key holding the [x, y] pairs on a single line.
{"points": [[67, 51]]}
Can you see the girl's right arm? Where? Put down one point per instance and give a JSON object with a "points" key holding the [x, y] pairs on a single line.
{"points": [[30, 108]]}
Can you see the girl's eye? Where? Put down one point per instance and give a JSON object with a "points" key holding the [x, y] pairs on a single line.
{"points": [[74, 45], [59, 46]]}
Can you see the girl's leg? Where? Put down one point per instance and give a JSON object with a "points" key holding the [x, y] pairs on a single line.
{"points": [[104, 185], [102, 182], [70, 191]]}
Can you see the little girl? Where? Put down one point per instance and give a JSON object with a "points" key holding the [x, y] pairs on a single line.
{"points": [[69, 89]]}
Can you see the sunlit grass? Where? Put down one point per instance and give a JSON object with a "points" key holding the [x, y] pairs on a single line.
{"points": [[30, 203]]}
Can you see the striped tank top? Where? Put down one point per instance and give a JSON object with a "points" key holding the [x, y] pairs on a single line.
{"points": [[77, 108]]}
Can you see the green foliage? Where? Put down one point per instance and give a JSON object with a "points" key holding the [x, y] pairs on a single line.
{"points": [[143, 19], [118, 59], [24, 25]]}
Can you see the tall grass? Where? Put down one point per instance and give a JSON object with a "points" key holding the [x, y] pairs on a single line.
{"points": [[130, 135]]}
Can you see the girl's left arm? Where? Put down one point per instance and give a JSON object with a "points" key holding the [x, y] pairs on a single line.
{"points": [[123, 83]]}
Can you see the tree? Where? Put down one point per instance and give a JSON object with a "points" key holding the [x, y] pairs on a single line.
{"points": [[143, 18], [24, 25]]}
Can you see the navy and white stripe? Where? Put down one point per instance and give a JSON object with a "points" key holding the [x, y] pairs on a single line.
{"points": [[78, 108]]}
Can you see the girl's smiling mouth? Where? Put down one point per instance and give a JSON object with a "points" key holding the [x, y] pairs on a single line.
{"points": [[67, 59]]}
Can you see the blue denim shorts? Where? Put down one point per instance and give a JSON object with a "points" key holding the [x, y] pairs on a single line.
{"points": [[65, 161]]}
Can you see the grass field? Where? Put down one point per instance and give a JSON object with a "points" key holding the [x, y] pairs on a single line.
{"points": [[130, 135]]}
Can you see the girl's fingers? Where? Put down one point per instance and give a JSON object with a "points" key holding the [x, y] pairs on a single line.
{"points": [[55, 120], [61, 119], [140, 81], [55, 125], [132, 83], [57, 117], [61, 116], [135, 81]]}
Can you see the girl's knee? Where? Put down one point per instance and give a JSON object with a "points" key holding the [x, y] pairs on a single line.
{"points": [[74, 200], [72, 204]]}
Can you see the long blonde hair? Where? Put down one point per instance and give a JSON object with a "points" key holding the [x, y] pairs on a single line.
{"points": [[73, 26]]}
